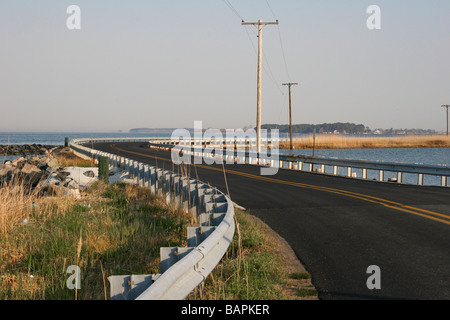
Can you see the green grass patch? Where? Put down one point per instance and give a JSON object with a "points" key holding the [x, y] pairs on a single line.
{"points": [[250, 270], [306, 292], [119, 230], [114, 230], [300, 275]]}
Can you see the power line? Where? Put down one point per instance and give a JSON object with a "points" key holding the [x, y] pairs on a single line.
{"points": [[282, 109], [272, 77], [266, 67], [284, 55], [270, 8], [290, 109], [233, 9], [260, 25], [281, 42]]}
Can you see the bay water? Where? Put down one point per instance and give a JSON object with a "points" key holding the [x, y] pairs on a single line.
{"points": [[432, 156]]}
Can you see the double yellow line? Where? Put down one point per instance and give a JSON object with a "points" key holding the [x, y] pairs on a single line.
{"points": [[380, 201]]}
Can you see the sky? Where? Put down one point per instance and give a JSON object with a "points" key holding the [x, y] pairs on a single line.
{"points": [[168, 63]]}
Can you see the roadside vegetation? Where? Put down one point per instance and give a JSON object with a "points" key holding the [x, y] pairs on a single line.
{"points": [[67, 158], [112, 230], [118, 229], [330, 141], [258, 266]]}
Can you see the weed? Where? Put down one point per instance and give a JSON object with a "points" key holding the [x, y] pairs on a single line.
{"points": [[115, 229]]}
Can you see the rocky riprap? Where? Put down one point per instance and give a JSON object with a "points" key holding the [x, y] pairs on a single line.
{"points": [[39, 172], [25, 149]]}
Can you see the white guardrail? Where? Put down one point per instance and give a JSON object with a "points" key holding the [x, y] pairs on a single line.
{"points": [[351, 168], [182, 269]]}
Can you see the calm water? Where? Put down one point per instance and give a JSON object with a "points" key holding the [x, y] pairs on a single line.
{"points": [[432, 156], [435, 156], [56, 138], [439, 156]]}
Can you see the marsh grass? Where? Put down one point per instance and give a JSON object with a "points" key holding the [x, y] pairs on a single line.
{"points": [[112, 230], [324, 141]]}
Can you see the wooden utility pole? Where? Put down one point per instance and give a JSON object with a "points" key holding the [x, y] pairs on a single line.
{"points": [[260, 26], [290, 107], [446, 106]]}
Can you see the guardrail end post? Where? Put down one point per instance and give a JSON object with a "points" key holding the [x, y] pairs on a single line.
{"points": [[129, 287]]}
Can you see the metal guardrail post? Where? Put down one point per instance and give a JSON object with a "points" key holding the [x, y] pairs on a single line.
{"points": [[153, 180], [184, 268], [420, 179], [381, 175], [399, 177], [147, 176], [210, 201]]}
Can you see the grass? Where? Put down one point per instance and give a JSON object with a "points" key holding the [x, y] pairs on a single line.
{"points": [[67, 158], [117, 230], [113, 230], [254, 269], [324, 141]]}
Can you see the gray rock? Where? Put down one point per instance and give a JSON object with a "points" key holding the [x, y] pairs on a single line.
{"points": [[52, 166], [17, 161], [89, 174], [7, 172], [53, 163], [31, 174], [62, 175], [73, 192], [72, 185]]}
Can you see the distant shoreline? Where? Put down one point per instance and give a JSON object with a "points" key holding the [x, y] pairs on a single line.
{"points": [[321, 141], [324, 141]]}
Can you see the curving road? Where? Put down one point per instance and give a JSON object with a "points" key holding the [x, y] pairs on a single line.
{"points": [[338, 227]]}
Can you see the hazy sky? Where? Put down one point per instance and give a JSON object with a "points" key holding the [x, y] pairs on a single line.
{"points": [[168, 63]]}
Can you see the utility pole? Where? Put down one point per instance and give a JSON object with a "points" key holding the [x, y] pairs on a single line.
{"points": [[290, 108], [446, 106], [260, 26]]}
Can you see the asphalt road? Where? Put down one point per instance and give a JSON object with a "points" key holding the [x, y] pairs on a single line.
{"points": [[338, 226]]}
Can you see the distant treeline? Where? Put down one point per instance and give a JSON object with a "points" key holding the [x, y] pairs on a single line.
{"points": [[337, 127]]}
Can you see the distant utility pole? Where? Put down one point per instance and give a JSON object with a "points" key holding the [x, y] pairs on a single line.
{"points": [[260, 25], [446, 106], [290, 108]]}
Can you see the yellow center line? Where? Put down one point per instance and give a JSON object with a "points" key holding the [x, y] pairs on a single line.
{"points": [[384, 202]]}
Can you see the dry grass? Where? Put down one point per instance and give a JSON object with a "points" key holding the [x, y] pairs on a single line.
{"points": [[115, 229], [15, 205], [18, 203], [66, 158], [323, 141]]}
